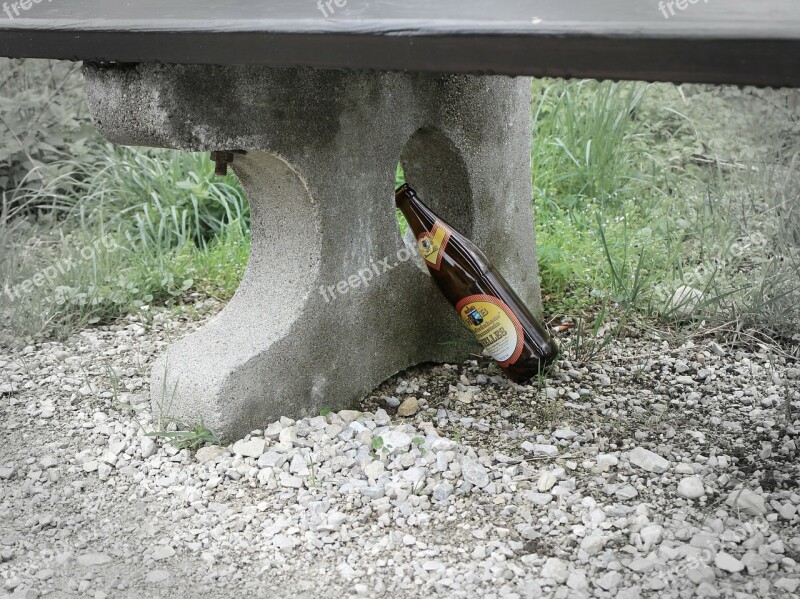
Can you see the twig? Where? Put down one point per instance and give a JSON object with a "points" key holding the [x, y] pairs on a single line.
{"points": [[697, 159]]}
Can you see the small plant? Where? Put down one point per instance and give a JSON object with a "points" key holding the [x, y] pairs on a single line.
{"points": [[588, 342], [189, 439], [417, 442], [324, 412], [112, 375], [312, 479], [378, 446]]}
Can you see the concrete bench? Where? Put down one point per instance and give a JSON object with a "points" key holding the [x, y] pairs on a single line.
{"points": [[321, 100]]}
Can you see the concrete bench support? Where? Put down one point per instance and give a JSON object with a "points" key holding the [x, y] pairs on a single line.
{"points": [[304, 330]]}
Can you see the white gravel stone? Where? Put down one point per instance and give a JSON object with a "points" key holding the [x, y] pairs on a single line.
{"points": [[705, 589], [475, 473], [162, 553], [685, 300], [651, 535], [253, 448], [374, 469], [291, 482], [556, 569], [609, 581], [627, 492], [577, 580], [747, 501], [157, 576], [725, 561], [546, 481], [210, 453], [700, 573], [594, 543], [409, 407], [104, 471], [716, 349], [395, 440], [12, 583], [442, 491], [787, 584], [92, 559], [148, 447], [607, 459], [545, 450], [539, 499], [349, 416], [641, 565], [691, 487], [754, 562], [647, 460], [46, 462]]}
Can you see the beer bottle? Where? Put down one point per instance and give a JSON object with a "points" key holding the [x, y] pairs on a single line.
{"points": [[481, 296]]}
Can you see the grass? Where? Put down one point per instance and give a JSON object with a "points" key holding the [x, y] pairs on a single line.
{"points": [[188, 439], [168, 227], [639, 190], [634, 200]]}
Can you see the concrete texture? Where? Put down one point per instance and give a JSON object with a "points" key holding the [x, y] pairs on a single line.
{"points": [[322, 148]]}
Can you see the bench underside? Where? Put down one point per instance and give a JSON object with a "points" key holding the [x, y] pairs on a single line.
{"points": [[735, 41]]}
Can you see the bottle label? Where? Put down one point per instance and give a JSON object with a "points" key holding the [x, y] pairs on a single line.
{"points": [[432, 244], [494, 324]]}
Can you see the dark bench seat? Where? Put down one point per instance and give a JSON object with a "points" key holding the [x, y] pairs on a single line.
{"points": [[712, 41]]}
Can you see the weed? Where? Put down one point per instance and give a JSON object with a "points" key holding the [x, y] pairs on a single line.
{"points": [[378, 446], [312, 467], [114, 379], [418, 442], [419, 488], [586, 343], [189, 439]]}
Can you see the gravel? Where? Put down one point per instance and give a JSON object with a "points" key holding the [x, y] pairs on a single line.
{"points": [[663, 467]]}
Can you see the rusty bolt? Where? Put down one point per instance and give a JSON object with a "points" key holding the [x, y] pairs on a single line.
{"points": [[222, 159]]}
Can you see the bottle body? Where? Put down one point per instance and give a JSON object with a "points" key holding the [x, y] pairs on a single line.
{"points": [[483, 299]]}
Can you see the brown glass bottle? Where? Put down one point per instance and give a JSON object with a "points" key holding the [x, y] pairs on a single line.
{"points": [[481, 296]]}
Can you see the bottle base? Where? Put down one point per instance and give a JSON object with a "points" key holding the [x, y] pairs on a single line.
{"points": [[525, 370]]}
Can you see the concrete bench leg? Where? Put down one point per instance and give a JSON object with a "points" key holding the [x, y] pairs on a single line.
{"points": [[328, 307]]}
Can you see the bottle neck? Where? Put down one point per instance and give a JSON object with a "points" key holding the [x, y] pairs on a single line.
{"points": [[422, 219], [419, 217]]}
